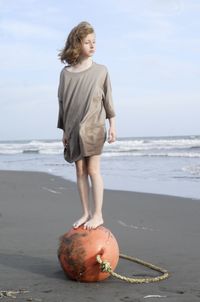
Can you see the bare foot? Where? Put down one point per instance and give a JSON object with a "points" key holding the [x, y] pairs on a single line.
{"points": [[94, 222], [81, 221]]}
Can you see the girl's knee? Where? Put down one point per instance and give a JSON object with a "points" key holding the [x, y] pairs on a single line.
{"points": [[81, 172], [81, 169], [93, 166], [93, 171]]}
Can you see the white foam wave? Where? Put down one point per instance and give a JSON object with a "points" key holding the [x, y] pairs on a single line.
{"points": [[192, 169], [169, 147], [41, 147], [172, 154], [154, 144]]}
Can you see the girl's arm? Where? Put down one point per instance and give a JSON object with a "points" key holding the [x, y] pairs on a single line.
{"points": [[60, 124], [109, 108], [64, 139], [111, 131], [107, 99]]}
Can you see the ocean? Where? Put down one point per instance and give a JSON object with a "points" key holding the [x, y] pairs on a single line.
{"points": [[163, 165]]}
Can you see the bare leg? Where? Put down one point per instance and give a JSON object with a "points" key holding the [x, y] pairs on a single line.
{"points": [[93, 168], [83, 188]]}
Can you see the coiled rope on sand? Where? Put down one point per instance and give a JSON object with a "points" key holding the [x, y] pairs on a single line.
{"points": [[105, 267]]}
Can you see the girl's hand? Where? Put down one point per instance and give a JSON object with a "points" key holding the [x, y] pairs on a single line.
{"points": [[64, 139], [111, 135]]}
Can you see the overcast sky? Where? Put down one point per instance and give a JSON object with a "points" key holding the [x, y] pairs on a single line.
{"points": [[150, 47]]}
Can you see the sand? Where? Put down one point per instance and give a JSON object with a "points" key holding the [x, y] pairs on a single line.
{"points": [[36, 208]]}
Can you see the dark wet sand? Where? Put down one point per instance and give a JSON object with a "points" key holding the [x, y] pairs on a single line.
{"points": [[36, 208]]}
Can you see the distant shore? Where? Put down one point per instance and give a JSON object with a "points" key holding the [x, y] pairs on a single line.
{"points": [[36, 208]]}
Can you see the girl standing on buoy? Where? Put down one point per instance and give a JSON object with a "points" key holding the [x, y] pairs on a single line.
{"points": [[85, 102]]}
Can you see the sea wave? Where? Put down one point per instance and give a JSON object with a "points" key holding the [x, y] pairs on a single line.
{"points": [[167, 147]]}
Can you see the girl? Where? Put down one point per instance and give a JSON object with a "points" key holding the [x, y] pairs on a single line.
{"points": [[85, 102]]}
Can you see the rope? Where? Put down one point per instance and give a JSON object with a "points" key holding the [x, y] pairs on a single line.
{"points": [[106, 267]]}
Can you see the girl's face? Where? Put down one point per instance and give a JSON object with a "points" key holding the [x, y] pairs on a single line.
{"points": [[89, 45]]}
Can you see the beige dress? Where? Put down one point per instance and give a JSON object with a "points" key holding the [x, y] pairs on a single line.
{"points": [[85, 101]]}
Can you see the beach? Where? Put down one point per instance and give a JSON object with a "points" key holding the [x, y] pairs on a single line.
{"points": [[36, 208]]}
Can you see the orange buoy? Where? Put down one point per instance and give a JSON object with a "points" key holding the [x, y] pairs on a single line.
{"points": [[79, 248]]}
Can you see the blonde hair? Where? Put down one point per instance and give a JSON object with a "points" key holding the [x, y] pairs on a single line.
{"points": [[73, 45]]}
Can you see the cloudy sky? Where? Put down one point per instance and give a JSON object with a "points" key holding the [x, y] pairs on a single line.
{"points": [[150, 47]]}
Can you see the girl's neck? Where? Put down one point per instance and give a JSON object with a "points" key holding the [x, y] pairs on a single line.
{"points": [[84, 63]]}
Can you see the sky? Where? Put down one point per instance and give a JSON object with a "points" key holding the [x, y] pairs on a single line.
{"points": [[150, 47]]}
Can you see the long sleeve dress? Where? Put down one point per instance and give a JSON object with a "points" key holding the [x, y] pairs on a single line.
{"points": [[85, 102]]}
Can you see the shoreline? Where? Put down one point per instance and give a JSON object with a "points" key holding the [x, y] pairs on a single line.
{"points": [[37, 207], [166, 166], [108, 187]]}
